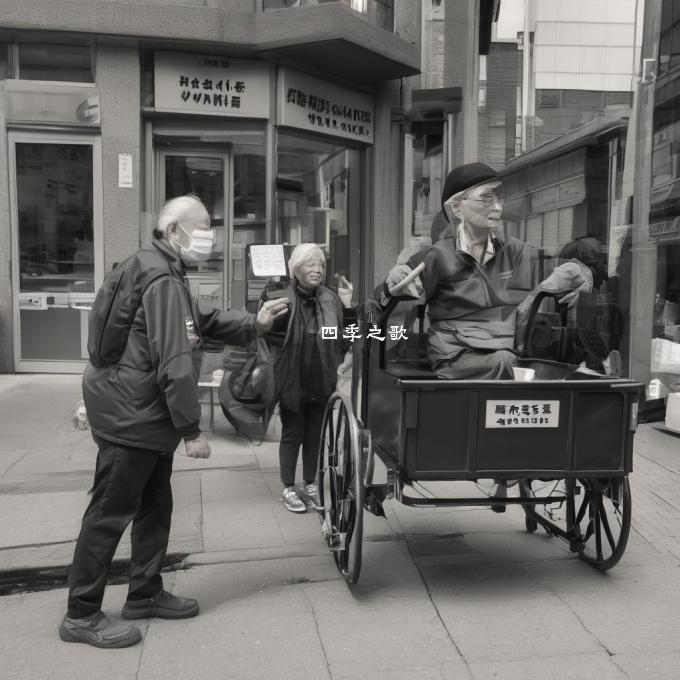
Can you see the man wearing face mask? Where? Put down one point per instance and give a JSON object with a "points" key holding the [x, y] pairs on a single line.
{"points": [[141, 394]]}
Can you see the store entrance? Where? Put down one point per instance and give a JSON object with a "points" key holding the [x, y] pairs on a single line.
{"points": [[206, 174], [55, 185], [230, 180]]}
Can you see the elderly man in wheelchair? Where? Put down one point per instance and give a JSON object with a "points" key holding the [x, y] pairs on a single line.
{"points": [[475, 282], [478, 285]]}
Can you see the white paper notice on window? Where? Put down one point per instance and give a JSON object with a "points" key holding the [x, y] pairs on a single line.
{"points": [[124, 171], [506, 414], [268, 260]]}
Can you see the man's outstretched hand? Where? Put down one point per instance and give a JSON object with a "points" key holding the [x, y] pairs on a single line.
{"points": [[571, 278], [270, 310]]}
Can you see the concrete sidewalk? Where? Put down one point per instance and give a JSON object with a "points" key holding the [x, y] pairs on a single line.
{"points": [[444, 593]]}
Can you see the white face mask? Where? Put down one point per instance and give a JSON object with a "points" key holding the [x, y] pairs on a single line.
{"points": [[196, 246]]}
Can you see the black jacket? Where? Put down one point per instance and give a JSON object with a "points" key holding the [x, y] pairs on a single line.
{"points": [[473, 305], [149, 399], [302, 371]]}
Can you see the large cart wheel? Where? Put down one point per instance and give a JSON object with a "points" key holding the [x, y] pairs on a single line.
{"points": [[602, 515], [341, 486]]}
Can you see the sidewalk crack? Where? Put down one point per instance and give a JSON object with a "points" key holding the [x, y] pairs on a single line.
{"points": [[599, 642], [439, 615], [318, 632]]}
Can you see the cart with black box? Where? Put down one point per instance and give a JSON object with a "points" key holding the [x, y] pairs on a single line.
{"points": [[565, 438]]}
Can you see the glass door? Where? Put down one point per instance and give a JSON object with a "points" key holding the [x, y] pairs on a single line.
{"points": [[55, 183], [206, 174]]}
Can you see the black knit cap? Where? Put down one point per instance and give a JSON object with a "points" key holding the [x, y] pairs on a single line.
{"points": [[466, 176]]}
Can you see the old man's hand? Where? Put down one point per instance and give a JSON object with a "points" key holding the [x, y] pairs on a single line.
{"points": [[396, 282], [198, 448], [270, 310], [571, 278]]}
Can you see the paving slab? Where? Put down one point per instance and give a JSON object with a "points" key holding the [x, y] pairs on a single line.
{"points": [[385, 625], [40, 517], [31, 647], [503, 612], [254, 624], [238, 511], [629, 609]]}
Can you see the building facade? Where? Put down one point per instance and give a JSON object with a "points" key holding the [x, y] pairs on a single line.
{"points": [[659, 236], [277, 114]]}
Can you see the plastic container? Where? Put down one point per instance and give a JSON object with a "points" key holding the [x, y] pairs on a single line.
{"points": [[523, 374]]}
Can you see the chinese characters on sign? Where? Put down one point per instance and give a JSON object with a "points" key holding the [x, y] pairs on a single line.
{"points": [[524, 413], [323, 113], [210, 85], [311, 104], [351, 333], [207, 92]]}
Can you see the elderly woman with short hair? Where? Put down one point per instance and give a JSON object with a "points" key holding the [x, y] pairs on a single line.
{"points": [[305, 366]]}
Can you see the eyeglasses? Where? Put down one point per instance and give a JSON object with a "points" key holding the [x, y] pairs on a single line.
{"points": [[488, 198]]}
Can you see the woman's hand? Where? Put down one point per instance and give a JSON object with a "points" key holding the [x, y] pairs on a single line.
{"points": [[345, 290]]}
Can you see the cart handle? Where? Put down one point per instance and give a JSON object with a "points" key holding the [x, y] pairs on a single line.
{"points": [[394, 290]]}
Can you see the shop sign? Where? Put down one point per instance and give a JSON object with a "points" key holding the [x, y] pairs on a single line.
{"points": [[208, 84], [561, 195], [311, 104], [510, 414], [30, 101], [665, 231]]}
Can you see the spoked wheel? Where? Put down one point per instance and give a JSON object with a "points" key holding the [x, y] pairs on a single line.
{"points": [[602, 514], [341, 486]]}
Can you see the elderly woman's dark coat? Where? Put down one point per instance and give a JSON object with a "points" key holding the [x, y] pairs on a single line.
{"points": [[305, 363]]}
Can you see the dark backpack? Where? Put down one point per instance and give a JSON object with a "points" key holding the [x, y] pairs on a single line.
{"points": [[117, 302]]}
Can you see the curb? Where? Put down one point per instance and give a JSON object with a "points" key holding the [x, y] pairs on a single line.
{"points": [[35, 579]]}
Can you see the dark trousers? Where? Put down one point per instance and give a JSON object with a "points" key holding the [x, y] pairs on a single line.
{"points": [[130, 485], [471, 365], [300, 429]]}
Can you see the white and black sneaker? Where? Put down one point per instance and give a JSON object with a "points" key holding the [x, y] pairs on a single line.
{"points": [[292, 501]]}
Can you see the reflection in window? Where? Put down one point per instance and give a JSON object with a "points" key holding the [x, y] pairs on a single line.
{"points": [[54, 201], [318, 199]]}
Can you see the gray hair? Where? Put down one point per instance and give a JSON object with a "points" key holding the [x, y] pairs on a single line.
{"points": [[177, 210], [303, 254]]}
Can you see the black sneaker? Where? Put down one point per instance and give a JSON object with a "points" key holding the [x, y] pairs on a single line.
{"points": [[98, 630], [161, 606]]}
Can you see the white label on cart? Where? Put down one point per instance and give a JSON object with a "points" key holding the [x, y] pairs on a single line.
{"points": [[506, 414]]}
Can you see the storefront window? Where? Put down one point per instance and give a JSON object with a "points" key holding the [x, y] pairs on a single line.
{"points": [[426, 183], [67, 63], [54, 196], [318, 199]]}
